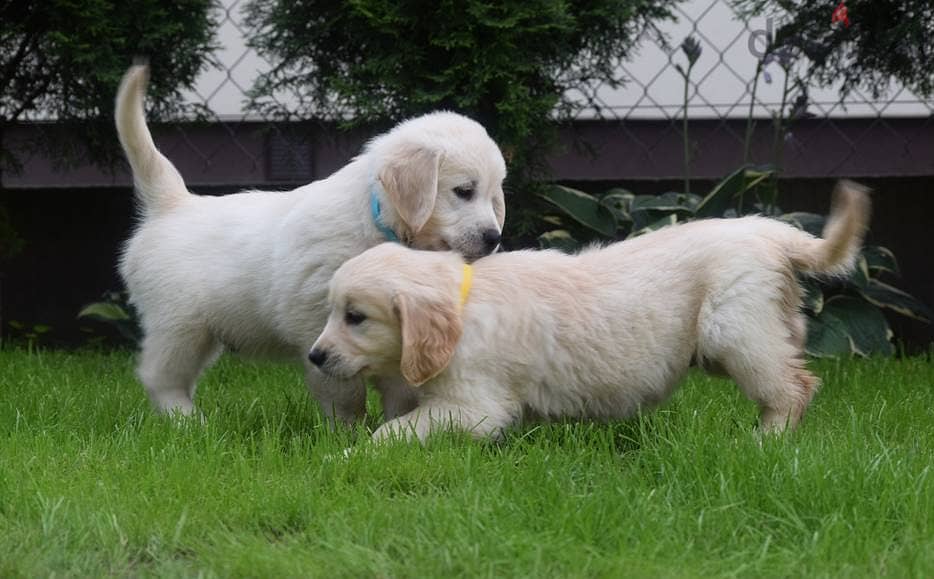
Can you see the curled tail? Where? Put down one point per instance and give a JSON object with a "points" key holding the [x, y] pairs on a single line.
{"points": [[159, 185], [836, 252]]}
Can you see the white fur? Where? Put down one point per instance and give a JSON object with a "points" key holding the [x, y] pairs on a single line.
{"points": [[600, 334], [250, 271]]}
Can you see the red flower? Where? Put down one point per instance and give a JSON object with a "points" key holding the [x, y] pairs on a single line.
{"points": [[840, 14]]}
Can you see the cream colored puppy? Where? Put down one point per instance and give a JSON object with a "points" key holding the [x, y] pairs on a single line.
{"points": [[600, 334], [250, 271]]}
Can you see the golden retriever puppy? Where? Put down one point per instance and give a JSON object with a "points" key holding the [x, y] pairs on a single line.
{"points": [[597, 335], [250, 271]]}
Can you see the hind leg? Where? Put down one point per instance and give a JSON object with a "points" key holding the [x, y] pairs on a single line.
{"points": [[800, 384], [787, 409], [775, 378], [169, 366], [763, 352]]}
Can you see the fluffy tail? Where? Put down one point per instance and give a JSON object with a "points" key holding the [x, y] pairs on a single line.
{"points": [[159, 185], [843, 234]]}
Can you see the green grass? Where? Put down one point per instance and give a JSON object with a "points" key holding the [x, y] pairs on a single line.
{"points": [[91, 483]]}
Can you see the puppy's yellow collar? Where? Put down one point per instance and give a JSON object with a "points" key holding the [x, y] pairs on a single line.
{"points": [[466, 283]]}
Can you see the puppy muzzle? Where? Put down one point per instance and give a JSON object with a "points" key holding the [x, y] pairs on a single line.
{"points": [[318, 357]]}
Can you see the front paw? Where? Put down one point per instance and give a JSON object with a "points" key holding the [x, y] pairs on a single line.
{"points": [[342, 455], [395, 430]]}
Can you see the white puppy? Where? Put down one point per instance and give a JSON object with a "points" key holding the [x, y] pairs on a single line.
{"points": [[600, 334], [250, 271]]}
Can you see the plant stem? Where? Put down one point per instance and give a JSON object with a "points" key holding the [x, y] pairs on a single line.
{"points": [[687, 142], [779, 137], [778, 142], [750, 124]]}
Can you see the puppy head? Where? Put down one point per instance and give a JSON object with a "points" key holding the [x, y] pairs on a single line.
{"points": [[393, 310], [443, 178]]}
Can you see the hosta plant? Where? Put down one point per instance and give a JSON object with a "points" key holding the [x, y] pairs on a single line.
{"points": [[116, 311], [844, 315]]}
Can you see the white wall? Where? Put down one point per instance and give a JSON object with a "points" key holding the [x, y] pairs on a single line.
{"points": [[721, 78]]}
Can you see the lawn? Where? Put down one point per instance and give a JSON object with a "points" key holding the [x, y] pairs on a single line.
{"points": [[91, 483]]}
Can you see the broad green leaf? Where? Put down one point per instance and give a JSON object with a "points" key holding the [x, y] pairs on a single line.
{"points": [[41, 329], [618, 201], [863, 323], [886, 296], [765, 209], [827, 337], [859, 277], [104, 311], [665, 221], [813, 298], [671, 201], [690, 200], [552, 220], [722, 195], [583, 208], [642, 203], [558, 239], [810, 222], [880, 259], [619, 196], [650, 210]]}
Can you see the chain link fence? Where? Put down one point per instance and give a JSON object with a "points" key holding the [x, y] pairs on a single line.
{"points": [[640, 120], [858, 134]]}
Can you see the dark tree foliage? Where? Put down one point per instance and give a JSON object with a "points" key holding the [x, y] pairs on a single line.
{"points": [[62, 60], [885, 39], [507, 64]]}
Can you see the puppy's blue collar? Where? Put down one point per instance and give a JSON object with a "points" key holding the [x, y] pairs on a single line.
{"points": [[387, 232]]}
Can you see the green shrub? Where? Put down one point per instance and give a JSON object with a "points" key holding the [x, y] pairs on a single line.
{"points": [[62, 59], [510, 65]]}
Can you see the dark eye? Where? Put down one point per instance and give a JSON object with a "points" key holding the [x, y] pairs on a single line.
{"points": [[465, 192], [354, 318]]}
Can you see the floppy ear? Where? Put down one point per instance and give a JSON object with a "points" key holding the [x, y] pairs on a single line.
{"points": [[430, 331], [410, 178]]}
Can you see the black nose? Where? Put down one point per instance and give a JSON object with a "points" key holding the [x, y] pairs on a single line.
{"points": [[491, 238], [317, 356]]}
